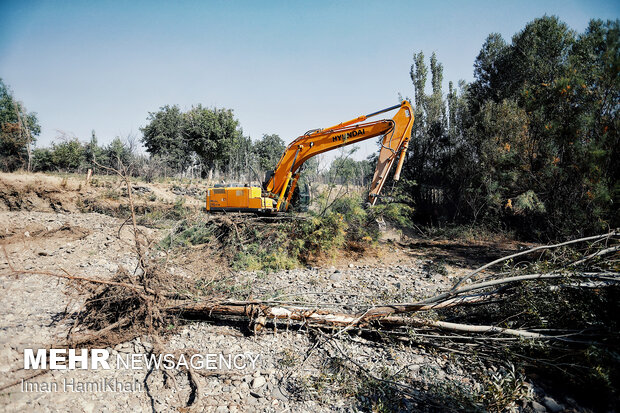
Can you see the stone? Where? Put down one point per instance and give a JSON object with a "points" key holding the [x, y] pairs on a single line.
{"points": [[258, 382], [337, 276], [88, 406], [278, 394], [552, 405], [537, 407]]}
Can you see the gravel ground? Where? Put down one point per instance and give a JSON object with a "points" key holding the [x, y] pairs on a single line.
{"points": [[292, 372]]}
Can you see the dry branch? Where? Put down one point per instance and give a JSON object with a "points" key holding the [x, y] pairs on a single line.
{"points": [[541, 247], [480, 329]]}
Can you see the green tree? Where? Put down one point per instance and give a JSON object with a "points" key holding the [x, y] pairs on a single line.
{"points": [[67, 155], [435, 135], [268, 151], [239, 164], [93, 152], [213, 134], [543, 129], [532, 143], [345, 170], [490, 71], [501, 148], [212, 137], [43, 160], [117, 154], [18, 129], [430, 142], [164, 137]]}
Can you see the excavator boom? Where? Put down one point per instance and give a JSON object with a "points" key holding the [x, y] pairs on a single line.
{"points": [[396, 133]]}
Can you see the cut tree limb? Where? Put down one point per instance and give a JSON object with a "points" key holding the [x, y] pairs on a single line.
{"points": [[480, 329], [541, 247]]}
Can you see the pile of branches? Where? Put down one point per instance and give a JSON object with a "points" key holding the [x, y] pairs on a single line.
{"points": [[553, 309], [120, 311], [596, 269], [130, 304]]}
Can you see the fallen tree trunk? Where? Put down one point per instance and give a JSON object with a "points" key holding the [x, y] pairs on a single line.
{"points": [[258, 309], [258, 312], [326, 318], [211, 309]]}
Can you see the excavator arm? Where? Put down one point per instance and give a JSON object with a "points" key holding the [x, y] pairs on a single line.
{"points": [[396, 133]]}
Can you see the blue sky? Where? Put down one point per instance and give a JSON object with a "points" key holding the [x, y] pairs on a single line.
{"points": [[283, 66]]}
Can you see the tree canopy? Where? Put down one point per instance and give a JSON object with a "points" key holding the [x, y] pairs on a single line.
{"points": [[163, 136], [268, 151], [18, 131], [211, 137], [532, 143]]}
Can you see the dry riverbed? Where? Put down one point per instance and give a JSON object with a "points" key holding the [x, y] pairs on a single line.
{"points": [[285, 367]]}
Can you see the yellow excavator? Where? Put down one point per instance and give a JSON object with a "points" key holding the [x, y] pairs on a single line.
{"points": [[275, 195]]}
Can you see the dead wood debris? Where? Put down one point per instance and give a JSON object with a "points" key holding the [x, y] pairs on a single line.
{"points": [[146, 301]]}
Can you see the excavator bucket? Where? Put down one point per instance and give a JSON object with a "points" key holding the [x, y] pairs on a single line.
{"points": [[393, 145]]}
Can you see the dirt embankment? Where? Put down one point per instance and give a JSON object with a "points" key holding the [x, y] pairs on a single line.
{"points": [[47, 193], [38, 193]]}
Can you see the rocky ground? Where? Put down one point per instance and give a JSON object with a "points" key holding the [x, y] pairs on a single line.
{"points": [[292, 373]]}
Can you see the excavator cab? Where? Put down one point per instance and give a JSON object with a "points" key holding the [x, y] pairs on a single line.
{"points": [[300, 201]]}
